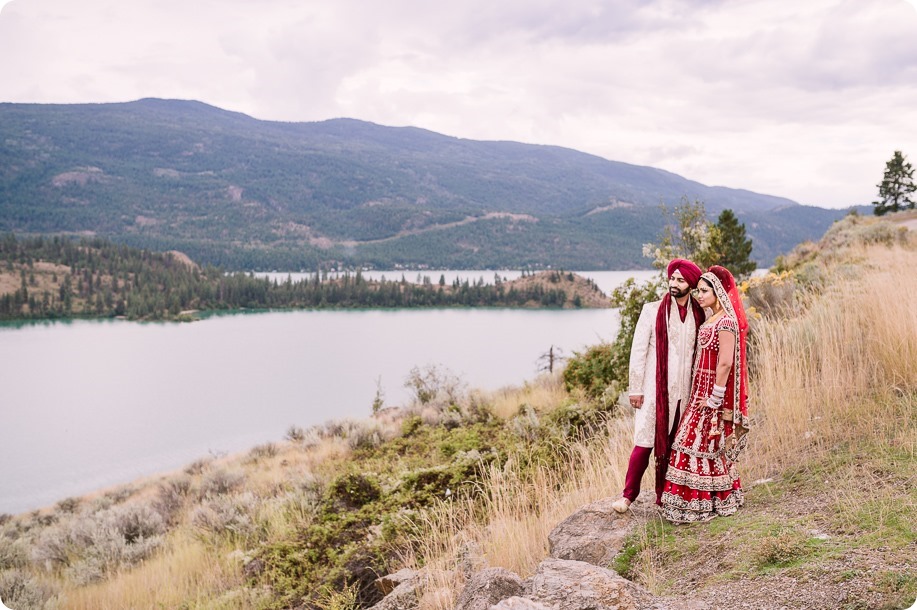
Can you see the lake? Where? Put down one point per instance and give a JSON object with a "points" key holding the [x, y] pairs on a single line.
{"points": [[89, 404]]}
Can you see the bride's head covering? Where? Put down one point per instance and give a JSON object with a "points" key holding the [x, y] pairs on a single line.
{"points": [[727, 293]]}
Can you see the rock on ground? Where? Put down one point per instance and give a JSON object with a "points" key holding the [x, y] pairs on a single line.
{"points": [[488, 587], [577, 585], [520, 603], [595, 533]]}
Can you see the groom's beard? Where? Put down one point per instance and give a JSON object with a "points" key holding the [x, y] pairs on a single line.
{"points": [[677, 294]]}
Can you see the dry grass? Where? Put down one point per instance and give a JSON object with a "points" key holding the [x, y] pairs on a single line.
{"points": [[198, 565], [187, 572], [48, 277], [543, 394], [11, 280], [818, 376]]}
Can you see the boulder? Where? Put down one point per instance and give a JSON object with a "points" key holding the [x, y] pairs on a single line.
{"points": [[520, 603], [577, 585], [595, 533], [487, 587], [406, 596], [387, 584]]}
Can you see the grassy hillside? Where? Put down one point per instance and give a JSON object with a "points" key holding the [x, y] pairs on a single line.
{"points": [[240, 193], [460, 479]]}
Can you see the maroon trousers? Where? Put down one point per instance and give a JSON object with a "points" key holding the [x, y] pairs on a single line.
{"points": [[640, 459]]}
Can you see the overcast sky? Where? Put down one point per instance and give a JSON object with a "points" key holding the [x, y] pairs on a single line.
{"points": [[805, 99]]}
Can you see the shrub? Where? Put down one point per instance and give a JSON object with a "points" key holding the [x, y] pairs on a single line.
{"points": [[410, 425], [20, 591], [170, 498], [12, 554], [811, 275], [53, 546], [198, 466], [134, 522], [68, 505], [265, 451], [593, 371], [220, 482], [227, 515], [426, 486], [352, 491], [363, 434], [525, 425], [94, 545], [434, 386], [295, 434], [312, 437], [772, 294], [119, 495], [780, 549]]}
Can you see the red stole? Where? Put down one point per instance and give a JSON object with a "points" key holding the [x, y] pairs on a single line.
{"points": [[661, 443]]}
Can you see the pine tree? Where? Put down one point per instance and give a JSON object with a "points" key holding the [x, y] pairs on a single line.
{"points": [[729, 245], [896, 187]]}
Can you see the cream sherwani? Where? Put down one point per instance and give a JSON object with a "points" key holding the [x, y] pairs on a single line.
{"points": [[642, 374]]}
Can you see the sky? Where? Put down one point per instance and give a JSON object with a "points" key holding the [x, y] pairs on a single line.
{"points": [[800, 99]]}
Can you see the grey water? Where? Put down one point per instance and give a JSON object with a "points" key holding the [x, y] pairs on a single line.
{"points": [[91, 404]]}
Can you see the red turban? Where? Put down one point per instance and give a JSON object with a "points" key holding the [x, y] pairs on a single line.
{"points": [[689, 270]]}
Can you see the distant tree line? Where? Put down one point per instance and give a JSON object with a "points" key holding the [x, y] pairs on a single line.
{"points": [[61, 278]]}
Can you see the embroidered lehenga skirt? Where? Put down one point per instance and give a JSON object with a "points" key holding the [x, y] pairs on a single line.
{"points": [[701, 481]]}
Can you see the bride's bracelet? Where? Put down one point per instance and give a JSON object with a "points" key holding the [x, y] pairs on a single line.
{"points": [[719, 391]]}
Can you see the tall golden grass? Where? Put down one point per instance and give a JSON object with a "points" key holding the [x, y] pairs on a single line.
{"points": [[187, 573], [844, 368], [543, 394], [824, 376]]}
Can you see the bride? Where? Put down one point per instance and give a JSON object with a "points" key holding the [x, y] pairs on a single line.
{"points": [[701, 481]]}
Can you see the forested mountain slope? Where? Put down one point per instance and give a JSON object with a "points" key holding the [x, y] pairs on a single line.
{"points": [[243, 193]]}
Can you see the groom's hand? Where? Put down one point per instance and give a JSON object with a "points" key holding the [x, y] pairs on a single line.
{"points": [[636, 401]]}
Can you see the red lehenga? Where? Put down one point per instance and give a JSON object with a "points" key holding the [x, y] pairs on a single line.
{"points": [[701, 479]]}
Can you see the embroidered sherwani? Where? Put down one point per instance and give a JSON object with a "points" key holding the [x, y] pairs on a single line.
{"points": [[642, 374]]}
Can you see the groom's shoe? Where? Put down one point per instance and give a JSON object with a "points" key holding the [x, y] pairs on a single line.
{"points": [[621, 505]]}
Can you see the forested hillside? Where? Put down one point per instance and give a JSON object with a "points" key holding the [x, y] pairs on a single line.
{"points": [[234, 191]]}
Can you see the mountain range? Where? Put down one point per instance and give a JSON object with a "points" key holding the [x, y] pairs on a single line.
{"points": [[231, 190]]}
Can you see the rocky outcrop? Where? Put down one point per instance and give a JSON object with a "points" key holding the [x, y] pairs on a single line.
{"points": [[520, 603], [408, 586], [489, 587], [574, 577], [577, 585], [389, 583], [595, 533]]}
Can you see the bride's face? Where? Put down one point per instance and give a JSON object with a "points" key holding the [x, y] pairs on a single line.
{"points": [[705, 295]]}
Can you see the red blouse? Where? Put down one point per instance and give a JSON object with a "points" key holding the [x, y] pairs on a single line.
{"points": [[708, 354]]}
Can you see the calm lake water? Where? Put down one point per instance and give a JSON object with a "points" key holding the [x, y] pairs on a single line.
{"points": [[90, 404]]}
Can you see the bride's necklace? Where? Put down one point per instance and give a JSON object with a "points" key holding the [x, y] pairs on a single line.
{"points": [[712, 319]]}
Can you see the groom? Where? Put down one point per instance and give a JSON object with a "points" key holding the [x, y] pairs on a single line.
{"points": [[660, 375]]}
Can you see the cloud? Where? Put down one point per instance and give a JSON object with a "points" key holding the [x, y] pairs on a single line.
{"points": [[805, 100]]}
